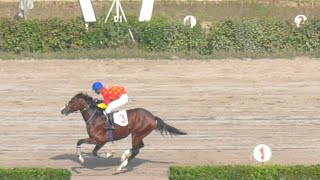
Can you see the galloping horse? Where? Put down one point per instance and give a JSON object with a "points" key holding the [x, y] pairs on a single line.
{"points": [[140, 123]]}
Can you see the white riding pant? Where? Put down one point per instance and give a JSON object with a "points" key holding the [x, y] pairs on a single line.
{"points": [[117, 103]]}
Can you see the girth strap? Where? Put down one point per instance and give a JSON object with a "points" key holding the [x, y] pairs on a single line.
{"points": [[110, 133]]}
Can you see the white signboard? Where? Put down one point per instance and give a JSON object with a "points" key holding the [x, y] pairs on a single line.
{"points": [[262, 153], [299, 20], [87, 11], [190, 21], [146, 10]]}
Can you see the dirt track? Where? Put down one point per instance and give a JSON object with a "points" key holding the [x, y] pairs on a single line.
{"points": [[227, 107]]}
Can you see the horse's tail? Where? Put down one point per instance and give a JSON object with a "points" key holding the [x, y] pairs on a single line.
{"points": [[164, 128]]}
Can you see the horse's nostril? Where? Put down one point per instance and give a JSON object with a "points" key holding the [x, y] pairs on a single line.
{"points": [[64, 112]]}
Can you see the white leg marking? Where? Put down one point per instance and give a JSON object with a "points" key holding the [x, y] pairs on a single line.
{"points": [[125, 155], [124, 164], [78, 151], [79, 154], [81, 159]]}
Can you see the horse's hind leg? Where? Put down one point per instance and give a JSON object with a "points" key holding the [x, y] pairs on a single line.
{"points": [[135, 151], [129, 154]]}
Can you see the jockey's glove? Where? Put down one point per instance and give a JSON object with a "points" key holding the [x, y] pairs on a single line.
{"points": [[102, 106]]}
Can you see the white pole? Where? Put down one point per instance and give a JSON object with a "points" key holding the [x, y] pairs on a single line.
{"points": [[117, 11], [118, 19], [124, 16], [125, 19], [109, 11]]}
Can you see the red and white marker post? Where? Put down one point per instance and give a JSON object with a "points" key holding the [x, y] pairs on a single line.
{"points": [[299, 20], [262, 153], [190, 21]]}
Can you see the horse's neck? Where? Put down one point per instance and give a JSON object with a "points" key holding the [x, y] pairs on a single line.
{"points": [[87, 115]]}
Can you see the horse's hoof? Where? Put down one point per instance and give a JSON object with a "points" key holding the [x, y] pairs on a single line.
{"points": [[81, 159], [119, 169], [123, 165], [109, 154], [103, 155]]}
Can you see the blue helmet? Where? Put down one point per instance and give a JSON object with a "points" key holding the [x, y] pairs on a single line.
{"points": [[97, 86]]}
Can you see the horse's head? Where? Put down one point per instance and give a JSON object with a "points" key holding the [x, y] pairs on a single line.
{"points": [[78, 102]]}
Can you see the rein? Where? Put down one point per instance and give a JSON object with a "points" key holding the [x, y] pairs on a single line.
{"points": [[88, 108]]}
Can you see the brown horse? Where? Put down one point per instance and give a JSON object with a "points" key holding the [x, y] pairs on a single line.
{"points": [[140, 123]]}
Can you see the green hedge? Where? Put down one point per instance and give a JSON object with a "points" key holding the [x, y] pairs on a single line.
{"points": [[244, 172], [262, 36], [34, 174], [166, 35]]}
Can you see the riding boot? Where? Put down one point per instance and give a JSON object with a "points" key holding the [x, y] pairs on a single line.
{"points": [[110, 118]]}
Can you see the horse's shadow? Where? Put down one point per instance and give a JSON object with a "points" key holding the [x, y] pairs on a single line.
{"points": [[102, 163]]}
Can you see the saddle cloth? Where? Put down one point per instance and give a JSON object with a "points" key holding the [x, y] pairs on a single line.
{"points": [[121, 118]]}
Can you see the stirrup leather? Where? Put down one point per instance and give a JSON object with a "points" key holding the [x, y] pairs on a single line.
{"points": [[111, 121]]}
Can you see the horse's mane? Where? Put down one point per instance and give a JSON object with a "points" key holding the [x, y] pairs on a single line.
{"points": [[91, 101], [85, 96]]}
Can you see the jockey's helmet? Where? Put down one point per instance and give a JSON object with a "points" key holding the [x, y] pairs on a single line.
{"points": [[97, 86]]}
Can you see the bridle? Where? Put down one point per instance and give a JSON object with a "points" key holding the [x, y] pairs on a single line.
{"points": [[83, 110]]}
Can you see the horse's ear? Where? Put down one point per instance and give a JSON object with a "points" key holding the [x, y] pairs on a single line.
{"points": [[80, 93]]}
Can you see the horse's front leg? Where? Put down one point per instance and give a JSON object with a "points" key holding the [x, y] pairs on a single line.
{"points": [[97, 148], [87, 141]]}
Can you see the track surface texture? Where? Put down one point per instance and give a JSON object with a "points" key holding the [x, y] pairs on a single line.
{"points": [[226, 106]]}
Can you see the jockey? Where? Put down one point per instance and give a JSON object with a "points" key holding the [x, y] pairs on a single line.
{"points": [[113, 96]]}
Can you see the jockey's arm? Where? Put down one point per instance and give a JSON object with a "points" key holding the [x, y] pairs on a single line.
{"points": [[106, 98]]}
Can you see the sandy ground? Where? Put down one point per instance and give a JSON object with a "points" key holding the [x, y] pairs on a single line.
{"points": [[227, 107]]}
